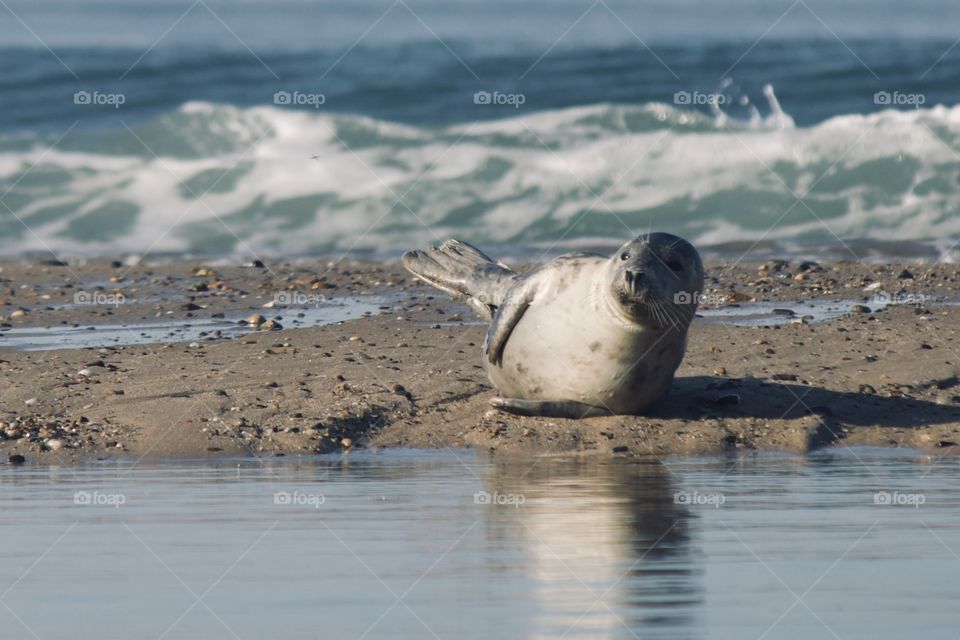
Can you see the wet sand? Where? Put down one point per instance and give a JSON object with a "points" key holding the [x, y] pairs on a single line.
{"points": [[829, 362]]}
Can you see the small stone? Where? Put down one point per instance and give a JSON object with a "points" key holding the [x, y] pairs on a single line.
{"points": [[19, 313], [726, 400], [355, 338], [866, 388], [271, 325], [860, 308], [398, 389], [347, 443], [31, 402], [54, 444], [784, 376], [86, 373], [194, 345], [621, 449], [720, 371], [905, 275], [190, 306], [15, 459], [256, 320], [784, 312]]}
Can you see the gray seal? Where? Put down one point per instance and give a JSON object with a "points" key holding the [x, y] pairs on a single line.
{"points": [[582, 335]]}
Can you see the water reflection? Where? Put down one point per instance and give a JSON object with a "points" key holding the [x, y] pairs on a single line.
{"points": [[456, 545], [605, 544]]}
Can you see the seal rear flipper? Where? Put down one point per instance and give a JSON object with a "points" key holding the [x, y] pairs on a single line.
{"points": [[549, 408], [463, 271]]}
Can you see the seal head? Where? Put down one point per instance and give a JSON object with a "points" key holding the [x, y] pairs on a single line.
{"points": [[655, 281]]}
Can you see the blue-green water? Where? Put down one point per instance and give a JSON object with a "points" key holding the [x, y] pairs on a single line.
{"points": [[230, 127], [407, 545]]}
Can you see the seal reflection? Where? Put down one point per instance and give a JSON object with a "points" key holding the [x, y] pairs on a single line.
{"points": [[605, 546]]}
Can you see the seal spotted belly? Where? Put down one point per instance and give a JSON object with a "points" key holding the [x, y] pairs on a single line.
{"points": [[584, 334]]}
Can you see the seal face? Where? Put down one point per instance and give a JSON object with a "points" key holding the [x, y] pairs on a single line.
{"points": [[583, 334]]}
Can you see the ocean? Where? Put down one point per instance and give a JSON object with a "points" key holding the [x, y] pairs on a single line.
{"points": [[301, 128]]}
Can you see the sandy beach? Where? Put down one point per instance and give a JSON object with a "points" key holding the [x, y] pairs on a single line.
{"points": [[844, 355]]}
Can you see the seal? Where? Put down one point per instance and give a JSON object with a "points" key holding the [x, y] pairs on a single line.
{"points": [[583, 335]]}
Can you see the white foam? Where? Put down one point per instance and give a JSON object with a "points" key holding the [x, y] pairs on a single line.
{"points": [[653, 165]]}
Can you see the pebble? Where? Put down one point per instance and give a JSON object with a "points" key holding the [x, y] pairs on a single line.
{"points": [[18, 313], [271, 325], [784, 376], [256, 320], [86, 373], [621, 449], [53, 444], [347, 443], [15, 459], [860, 308], [194, 345], [30, 402], [728, 399]]}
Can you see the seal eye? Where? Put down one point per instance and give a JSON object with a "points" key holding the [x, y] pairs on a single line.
{"points": [[624, 256], [674, 265]]}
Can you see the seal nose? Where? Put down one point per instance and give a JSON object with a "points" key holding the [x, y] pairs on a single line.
{"points": [[634, 278]]}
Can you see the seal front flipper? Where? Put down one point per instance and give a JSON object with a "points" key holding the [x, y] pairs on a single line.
{"points": [[508, 314], [549, 408]]}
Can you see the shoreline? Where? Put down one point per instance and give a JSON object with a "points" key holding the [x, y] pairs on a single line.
{"points": [[404, 370]]}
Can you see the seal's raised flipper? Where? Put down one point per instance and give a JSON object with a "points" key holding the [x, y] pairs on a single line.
{"points": [[464, 272], [549, 408], [508, 314]]}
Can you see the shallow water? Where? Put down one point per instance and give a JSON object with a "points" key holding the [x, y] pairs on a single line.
{"points": [[395, 545], [330, 311]]}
